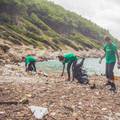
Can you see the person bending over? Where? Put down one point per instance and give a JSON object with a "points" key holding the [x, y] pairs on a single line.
{"points": [[70, 59], [30, 63]]}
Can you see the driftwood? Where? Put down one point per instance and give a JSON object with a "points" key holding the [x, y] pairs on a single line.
{"points": [[9, 102], [23, 101]]}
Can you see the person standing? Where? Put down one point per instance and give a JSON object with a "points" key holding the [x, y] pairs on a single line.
{"points": [[110, 54]]}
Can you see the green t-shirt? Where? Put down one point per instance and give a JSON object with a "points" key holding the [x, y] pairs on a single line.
{"points": [[69, 58], [110, 50], [30, 58]]}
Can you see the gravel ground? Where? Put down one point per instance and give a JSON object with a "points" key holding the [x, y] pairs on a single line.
{"points": [[64, 100]]}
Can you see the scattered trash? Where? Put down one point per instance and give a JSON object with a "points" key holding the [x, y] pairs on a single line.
{"points": [[39, 112], [29, 95], [104, 109], [42, 73], [24, 100], [2, 112]]}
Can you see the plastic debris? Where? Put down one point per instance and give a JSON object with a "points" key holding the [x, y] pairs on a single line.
{"points": [[39, 112], [24, 100]]}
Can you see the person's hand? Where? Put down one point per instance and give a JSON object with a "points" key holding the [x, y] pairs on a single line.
{"points": [[100, 61], [118, 64], [61, 74]]}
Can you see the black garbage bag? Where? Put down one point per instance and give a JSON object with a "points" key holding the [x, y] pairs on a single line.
{"points": [[79, 73]]}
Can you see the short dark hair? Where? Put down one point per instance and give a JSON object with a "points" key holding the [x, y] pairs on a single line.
{"points": [[61, 58], [107, 38]]}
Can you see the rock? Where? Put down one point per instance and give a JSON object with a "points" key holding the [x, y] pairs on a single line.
{"points": [[2, 112], [2, 62], [68, 108], [4, 47], [104, 109], [93, 86], [7, 61], [117, 114], [80, 103], [39, 112], [53, 114], [74, 114], [29, 95], [97, 93], [108, 118]]}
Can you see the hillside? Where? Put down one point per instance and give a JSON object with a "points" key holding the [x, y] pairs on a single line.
{"points": [[44, 24]]}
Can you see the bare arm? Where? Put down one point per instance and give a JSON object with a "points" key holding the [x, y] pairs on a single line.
{"points": [[26, 66], [101, 58], [117, 56], [63, 70]]}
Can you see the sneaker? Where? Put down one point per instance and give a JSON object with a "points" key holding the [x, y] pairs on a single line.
{"points": [[108, 83], [113, 87]]}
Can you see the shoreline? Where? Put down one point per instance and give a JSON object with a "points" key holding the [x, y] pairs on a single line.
{"points": [[15, 53]]}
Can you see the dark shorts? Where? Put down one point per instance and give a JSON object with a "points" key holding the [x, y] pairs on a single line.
{"points": [[109, 70], [31, 67]]}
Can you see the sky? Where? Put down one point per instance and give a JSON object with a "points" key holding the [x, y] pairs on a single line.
{"points": [[105, 13]]}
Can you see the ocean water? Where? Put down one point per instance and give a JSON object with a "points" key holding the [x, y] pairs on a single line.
{"points": [[91, 65]]}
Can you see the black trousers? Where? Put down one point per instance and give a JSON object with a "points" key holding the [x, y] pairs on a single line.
{"points": [[31, 67], [72, 63], [109, 70]]}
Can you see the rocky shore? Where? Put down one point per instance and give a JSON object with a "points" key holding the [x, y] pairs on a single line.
{"points": [[64, 100]]}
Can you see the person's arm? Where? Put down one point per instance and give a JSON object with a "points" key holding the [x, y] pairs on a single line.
{"points": [[63, 70], [102, 58], [104, 49], [26, 66], [117, 56]]}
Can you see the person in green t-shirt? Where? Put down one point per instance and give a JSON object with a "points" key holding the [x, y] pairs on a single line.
{"points": [[70, 59], [30, 63], [110, 55]]}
